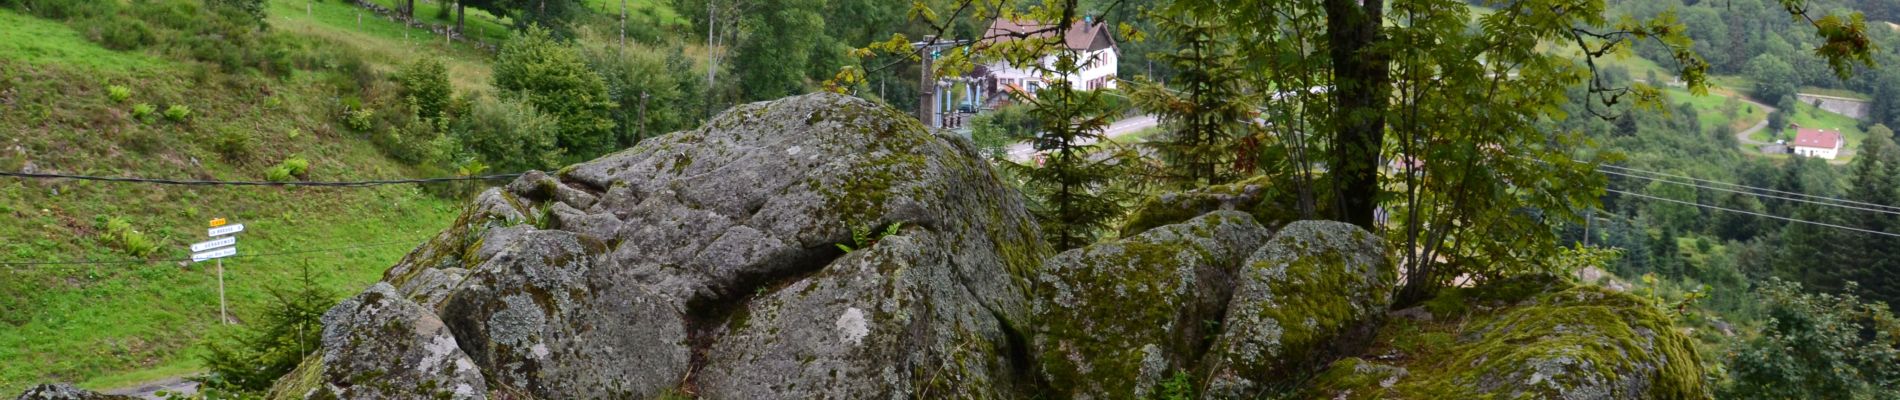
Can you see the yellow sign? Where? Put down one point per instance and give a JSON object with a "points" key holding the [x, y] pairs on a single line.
{"points": [[218, 222]]}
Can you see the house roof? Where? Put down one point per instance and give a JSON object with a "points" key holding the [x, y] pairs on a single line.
{"points": [[1085, 35], [1816, 138]]}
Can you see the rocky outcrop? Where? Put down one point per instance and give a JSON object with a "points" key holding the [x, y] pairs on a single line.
{"points": [[1315, 292], [1539, 338], [1269, 205], [818, 246], [65, 392], [826, 247], [1117, 318]]}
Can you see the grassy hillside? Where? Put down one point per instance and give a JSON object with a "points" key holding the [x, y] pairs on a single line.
{"points": [[108, 325]]}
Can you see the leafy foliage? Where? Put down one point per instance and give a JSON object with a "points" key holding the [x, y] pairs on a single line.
{"points": [[510, 134], [552, 76], [425, 83], [1818, 346]]}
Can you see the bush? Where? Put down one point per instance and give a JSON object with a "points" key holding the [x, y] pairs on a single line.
{"points": [[297, 166], [119, 32], [360, 119], [551, 76], [233, 144], [277, 173], [293, 167], [119, 233], [1816, 346], [177, 113], [510, 135], [426, 85], [118, 94], [143, 111]]}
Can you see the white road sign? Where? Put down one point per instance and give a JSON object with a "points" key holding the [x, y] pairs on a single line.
{"points": [[226, 230], [214, 254], [214, 243]]}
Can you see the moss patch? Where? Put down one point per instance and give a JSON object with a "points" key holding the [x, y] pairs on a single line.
{"points": [[1526, 338]]}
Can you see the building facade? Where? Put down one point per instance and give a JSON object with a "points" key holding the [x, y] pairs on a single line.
{"points": [[1088, 40], [1817, 143]]}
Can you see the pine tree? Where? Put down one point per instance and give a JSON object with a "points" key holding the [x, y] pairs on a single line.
{"points": [[1209, 112], [1874, 182]]}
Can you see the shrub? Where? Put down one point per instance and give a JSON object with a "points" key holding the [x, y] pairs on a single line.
{"points": [[426, 85], [510, 135], [297, 166], [551, 76], [119, 233], [118, 94], [277, 173], [143, 111], [177, 113], [233, 144], [360, 119], [120, 32]]}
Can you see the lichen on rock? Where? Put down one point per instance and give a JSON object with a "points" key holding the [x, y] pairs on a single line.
{"points": [[1116, 318]]}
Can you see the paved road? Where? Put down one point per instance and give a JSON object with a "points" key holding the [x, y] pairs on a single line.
{"points": [[149, 390], [1744, 135], [1022, 152]]}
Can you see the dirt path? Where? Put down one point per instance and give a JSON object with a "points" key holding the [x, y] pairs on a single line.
{"points": [[1744, 135]]}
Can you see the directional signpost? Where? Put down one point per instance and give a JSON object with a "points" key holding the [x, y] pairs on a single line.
{"points": [[221, 245]]}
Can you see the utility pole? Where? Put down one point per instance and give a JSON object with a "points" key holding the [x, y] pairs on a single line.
{"points": [[642, 135], [926, 88], [927, 106], [623, 26]]}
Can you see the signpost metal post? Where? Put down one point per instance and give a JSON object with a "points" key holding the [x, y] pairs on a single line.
{"points": [[223, 244]]}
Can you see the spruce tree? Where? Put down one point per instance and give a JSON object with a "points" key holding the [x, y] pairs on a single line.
{"points": [[1867, 260], [1208, 112]]}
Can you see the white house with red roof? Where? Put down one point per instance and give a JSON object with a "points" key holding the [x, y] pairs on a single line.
{"points": [[1818, 143], [1089, 40]]}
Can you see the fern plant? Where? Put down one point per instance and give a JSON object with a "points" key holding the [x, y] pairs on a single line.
{"points": [[862, 237]]}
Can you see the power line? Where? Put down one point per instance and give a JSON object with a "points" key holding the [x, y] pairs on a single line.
{"points": [[1753, 213], [261, 255], [1750, 187], [1754, 194], [187, 182]]}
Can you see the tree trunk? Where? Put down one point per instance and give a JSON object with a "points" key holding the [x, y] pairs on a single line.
{"points": [[459, 13], [1362, 77]]}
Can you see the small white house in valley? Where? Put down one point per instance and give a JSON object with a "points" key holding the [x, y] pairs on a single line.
{"points": [[1089, 40], [1817, 143]]}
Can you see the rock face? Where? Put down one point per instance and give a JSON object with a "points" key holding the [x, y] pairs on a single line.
{"points": [[65, 392], [1316, 291], [1117, 318], [714, 263]]}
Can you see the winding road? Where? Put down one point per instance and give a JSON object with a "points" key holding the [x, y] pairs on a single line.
{"points": [[1022, 152], [1744, 135]]}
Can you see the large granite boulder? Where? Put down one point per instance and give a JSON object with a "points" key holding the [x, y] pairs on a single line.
{"points": [[1535, 337], [1317, 291], [1117, 318], [1271, 205], [380, 345], [816, 246]]}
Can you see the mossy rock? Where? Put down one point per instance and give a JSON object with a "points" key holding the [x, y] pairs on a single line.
{"points": [[1567, 342], [66, 392], [1315, 292], [1115, 319], [1270, 205]]}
